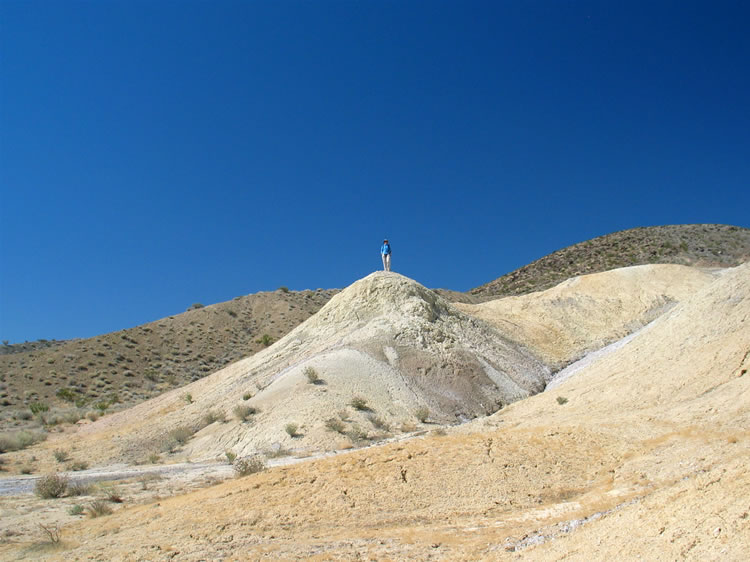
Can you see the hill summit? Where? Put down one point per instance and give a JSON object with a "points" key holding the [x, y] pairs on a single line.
{"points": [[382, 348]]}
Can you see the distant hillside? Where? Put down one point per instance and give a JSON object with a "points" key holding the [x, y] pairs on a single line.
{"points": [[706, 245], [132, 365]]}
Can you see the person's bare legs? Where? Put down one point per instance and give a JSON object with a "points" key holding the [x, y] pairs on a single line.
{"points": [[387, 262]]}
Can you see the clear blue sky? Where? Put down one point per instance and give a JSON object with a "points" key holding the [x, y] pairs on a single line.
{"points": [[159, 153]]}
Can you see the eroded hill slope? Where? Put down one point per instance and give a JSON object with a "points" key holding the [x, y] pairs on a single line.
{"points": [[647, 458]]}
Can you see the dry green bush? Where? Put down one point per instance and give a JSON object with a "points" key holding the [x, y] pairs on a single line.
{"points": [[312, 375], [335, 424], [76, 509], [359, 403], [51, 486], [17, 440], [562, 400], [60, 455], [422, 413], [291, 429], [251, 465], [357, 435], [213, 416], [242, 412], [379, 423], [231, 456], [78, 465], [98, 508], [79, 489]]}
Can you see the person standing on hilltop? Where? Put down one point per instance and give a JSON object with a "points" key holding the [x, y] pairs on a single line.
{"points": [[385, 253]]}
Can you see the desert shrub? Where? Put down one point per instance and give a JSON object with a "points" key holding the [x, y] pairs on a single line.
{"points": [[23, 415], [312, 375], [379, 423], [422, 413], [92, 416], [98, 508], [214, 416], [407, 427], [291, 429], [335, 424], [111, 494], [284, 289], [17, 440], [188, 398], [247, 396], [26, 469], [357, 435], [244, 467], [562, 400], [67, 394], [51, 486], [60, 455], [176, 437], [276, 452], [78, 465], [439, 431], [38, 407], [195, 306], [52, 532], [242, 412], [359, 403], [102, 406], [231, 456], [153, 458], [79, 489], [265, 339], [75, 509], [343, 415]]}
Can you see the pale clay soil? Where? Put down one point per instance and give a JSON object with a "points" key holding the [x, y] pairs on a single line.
{"points": [[647, 458]]}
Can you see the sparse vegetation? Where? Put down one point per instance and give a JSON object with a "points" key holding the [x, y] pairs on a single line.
{"points": [[79, 489], [243, 412], [291, 429], [379, 423], [17, 440], [359, 403], [188, 398], [76, 509], [312, 375], [52, 532], [562, 400], [98, 508], [284, 289], [61, 456], [78, 465], [231, 456], [335, 424], [247, 396], [247, 466], [38, 408], [213, 416], [422, 413], [265, 339], [66, 394], [357, 435], [111, 493], [51, 486]]}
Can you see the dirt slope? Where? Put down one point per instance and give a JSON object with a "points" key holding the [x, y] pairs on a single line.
{"points": [[588, 312], [129, 366], [700, 245], [385, 338], [647, 459]]}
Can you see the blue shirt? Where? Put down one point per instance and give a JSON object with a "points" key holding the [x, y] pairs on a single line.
{"points": [[385, 249]]}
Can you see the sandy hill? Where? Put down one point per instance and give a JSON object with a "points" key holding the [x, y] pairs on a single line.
{"points": [[642, 453], [386, 339], [701, 245], [129, 366], [586, 313]]}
